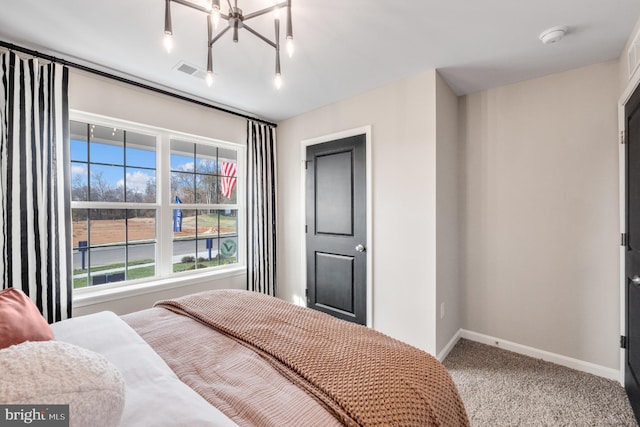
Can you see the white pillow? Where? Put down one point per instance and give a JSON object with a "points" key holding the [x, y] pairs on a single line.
{"points": [[53, 372], [155, 395]]}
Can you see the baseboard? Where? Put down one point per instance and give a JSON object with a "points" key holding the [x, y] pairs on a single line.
{"points": [[580, 365], [447, 348]]}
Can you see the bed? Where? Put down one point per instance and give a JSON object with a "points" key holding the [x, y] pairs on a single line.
{"points": [[232, 357]]}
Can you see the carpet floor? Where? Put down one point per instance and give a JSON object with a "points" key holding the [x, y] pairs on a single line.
{"points": [[502, 388]]}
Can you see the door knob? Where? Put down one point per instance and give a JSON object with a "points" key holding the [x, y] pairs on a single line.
{"points": [[360, 248], [636, 280]]}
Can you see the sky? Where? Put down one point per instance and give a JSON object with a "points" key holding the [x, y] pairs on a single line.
{"points": [[106, 156], [140, 169], [140, 163]]}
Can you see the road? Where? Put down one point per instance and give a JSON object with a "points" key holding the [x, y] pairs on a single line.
{"points": [[116, 254]]}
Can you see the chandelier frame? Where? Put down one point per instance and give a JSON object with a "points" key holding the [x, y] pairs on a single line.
{"points": [[236, 20]]}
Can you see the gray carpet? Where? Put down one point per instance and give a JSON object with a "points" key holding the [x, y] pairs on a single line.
{"points": [[502, 388]]}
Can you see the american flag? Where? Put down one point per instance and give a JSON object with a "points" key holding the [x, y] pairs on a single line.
{"points": [[228, 181]]}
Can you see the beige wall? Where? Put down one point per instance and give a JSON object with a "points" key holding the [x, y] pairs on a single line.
{"points": [[402, 118], [124, 304], [97, 95], [521, 196], [539, 206], [447, 216], [93, 94]]}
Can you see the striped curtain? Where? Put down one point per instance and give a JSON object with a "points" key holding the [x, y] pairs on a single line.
{"points": [[261, 208], [34, 210]]}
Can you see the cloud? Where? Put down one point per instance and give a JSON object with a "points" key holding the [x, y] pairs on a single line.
{"points": [[79, 169], [187, 167], [136, 181]]}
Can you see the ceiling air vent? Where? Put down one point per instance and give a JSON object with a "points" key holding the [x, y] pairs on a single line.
{"points": [[633, 54], [183, 67]]}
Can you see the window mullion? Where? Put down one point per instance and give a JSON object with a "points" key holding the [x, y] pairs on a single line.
{"points": [[165, 213]]}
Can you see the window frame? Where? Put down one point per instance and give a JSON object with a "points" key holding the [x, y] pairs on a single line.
{"points": [[164, 206]]}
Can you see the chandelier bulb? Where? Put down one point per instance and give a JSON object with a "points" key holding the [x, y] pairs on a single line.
{"points": [[168, 42], [290, 46], [209, 78], [276, 13], [278, 81], [215, 16]]}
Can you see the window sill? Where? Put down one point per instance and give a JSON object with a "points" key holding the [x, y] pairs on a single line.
{"points": [[91, 296]]}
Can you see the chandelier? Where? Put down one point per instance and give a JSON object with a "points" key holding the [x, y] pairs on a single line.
{"points": [[236, 20]]}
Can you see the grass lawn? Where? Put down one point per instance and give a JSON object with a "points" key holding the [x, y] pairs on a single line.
{"points": [[113, 266]]}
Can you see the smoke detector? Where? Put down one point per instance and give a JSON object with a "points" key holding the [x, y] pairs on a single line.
{"points": [[553, 34]]}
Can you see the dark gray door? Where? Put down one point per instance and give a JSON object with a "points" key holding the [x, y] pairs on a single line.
{"points": [[632, 258], [337, 228]]}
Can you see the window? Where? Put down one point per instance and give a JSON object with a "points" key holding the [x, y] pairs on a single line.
{"points": [[203, 177], [148, 203]]}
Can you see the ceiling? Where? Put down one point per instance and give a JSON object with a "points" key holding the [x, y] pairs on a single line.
{"points": [[343, 47]]}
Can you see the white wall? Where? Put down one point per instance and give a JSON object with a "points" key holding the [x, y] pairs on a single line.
{"points": [[447, 216], [402, 116], [539, 206], [94, 94]]}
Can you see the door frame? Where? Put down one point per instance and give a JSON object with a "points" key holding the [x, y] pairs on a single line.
{"points": [[366, 130], [632, 85]]}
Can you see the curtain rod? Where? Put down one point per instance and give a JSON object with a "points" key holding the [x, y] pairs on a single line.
{"points": [[81, 67]]}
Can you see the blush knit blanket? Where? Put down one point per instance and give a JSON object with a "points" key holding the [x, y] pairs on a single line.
{"points": [[363, 377]]}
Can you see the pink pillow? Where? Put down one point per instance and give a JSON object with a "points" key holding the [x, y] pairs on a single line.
{"points": [[20, 319]]}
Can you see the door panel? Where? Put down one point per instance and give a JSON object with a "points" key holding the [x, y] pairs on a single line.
{"points": [[632, 257], [633, 335], [334, 287], [633, 160], [336, 225], [334, 185]]}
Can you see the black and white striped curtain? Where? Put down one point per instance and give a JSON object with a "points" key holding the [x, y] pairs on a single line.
{"points": [[261, 208], [34, 210]]}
